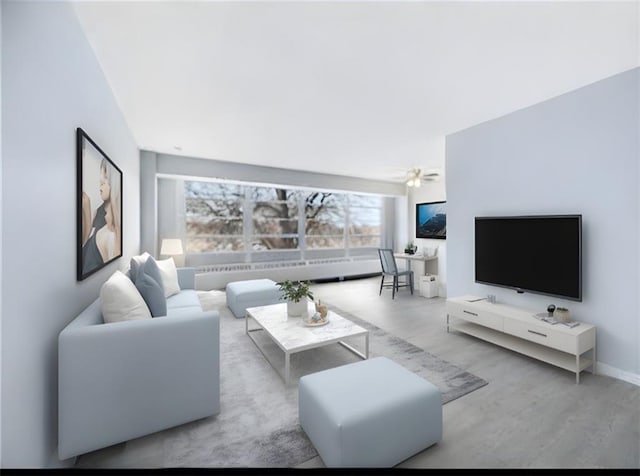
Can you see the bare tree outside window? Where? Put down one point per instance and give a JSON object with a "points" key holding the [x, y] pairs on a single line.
{"points": [[275, 218], [215, 218], [365, 225], [324, 220]]}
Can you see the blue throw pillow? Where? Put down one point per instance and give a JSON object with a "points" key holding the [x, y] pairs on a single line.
{"points": [[148, 281], [136, 263]]}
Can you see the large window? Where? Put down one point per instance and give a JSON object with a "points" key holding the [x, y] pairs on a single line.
{"points": [[325, 220], [364, 221], [213, 217], [274, 218], [225, 217]]}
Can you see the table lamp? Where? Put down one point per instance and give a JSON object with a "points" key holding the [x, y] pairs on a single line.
{"points": [[172, 247]]}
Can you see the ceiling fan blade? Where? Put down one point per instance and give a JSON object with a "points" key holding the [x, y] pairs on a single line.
{"points": [[415, 175], [431, 177]]}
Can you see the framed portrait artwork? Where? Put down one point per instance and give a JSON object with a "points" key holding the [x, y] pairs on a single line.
{"points": [[99, 207]]}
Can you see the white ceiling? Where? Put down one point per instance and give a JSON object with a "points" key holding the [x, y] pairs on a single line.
{"points": [[365, 89]]}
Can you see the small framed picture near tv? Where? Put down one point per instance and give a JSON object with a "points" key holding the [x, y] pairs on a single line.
{"points": [[98, 207], [431, 220]]}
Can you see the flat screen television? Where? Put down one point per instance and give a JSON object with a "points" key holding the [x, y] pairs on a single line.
{"points": [[538, 254], [431, 220]]}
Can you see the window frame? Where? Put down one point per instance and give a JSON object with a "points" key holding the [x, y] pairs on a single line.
{"points": [[249, 236]]}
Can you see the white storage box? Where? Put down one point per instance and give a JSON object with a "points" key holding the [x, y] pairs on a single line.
{"points": [[429, 286]]}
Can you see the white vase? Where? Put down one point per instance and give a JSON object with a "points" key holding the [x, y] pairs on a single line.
{"points": [[562, 316], [297, 309]]}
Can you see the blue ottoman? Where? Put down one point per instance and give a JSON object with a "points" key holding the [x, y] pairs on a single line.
{"points": [[251, 293], [373, 413]]}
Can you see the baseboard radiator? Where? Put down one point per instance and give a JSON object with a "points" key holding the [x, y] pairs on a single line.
{"points": [[217, 276]]}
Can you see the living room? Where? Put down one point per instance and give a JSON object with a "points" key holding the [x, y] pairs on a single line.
{"points": [[574, 149]]}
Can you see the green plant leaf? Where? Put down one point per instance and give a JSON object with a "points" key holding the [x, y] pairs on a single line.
{"points": [[295, 290]]}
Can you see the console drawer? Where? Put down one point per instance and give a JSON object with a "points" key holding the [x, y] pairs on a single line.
{"points": [[517, 329], [541, 335], [475, 315]]}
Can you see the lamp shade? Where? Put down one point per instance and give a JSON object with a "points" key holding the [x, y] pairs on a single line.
{"points": [[171, 246]]}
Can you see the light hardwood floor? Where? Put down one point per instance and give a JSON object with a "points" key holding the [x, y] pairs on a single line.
{"points": [[530, 415]]}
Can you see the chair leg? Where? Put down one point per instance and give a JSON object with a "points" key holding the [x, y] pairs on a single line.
{"points": [[395, 287], [381, 284]]}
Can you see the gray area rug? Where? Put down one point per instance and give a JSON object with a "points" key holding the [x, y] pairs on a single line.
{"points": [[258, 422], [257, 426]]}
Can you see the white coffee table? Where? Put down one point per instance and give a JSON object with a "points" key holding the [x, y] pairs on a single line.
{"points": [[292, 335]]}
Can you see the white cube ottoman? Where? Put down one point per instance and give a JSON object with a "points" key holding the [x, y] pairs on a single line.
{"points": [[373, 413], [250, 293]]}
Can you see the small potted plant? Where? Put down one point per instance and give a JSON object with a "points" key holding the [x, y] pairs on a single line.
{"points": [[295, 293], [562, 314]]}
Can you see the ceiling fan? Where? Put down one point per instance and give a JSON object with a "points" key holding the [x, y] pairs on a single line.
{"points": [[415, 176]]}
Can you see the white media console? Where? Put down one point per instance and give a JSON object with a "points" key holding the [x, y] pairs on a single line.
{"points": [[519, 330]]}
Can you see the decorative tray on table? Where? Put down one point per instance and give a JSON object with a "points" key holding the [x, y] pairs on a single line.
{"points": [[315, 320]]}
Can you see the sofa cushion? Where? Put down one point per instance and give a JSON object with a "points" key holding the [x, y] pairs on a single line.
{"points": [[180, 312], [149, 283], [169, 276], [185, 298], [120, 300]]}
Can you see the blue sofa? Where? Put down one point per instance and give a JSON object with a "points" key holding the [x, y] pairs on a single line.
{"points": [[123, 380]]}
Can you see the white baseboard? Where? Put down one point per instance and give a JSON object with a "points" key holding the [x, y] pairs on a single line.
{"points": [[609, 371]]}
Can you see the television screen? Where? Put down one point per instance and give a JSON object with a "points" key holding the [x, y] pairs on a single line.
{"points": [[431, 220], [539, 254]]}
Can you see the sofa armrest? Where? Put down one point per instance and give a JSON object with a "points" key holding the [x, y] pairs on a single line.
{"points": [[123, 380], [186, 278]]}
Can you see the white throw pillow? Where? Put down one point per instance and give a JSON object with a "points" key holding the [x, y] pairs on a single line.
{"points": [[169, 275], [121, 301]]}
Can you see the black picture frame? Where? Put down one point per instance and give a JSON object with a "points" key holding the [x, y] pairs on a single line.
{"points": [[431, 220], [98, 207]]}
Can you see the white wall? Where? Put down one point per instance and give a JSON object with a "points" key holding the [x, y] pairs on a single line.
{"points": [[638, 205], [51, 84], [402, 234], [429, 192], [154, 165], [577, 153], [0, 235], [433, 191]]}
